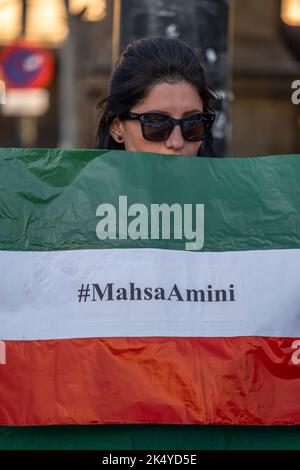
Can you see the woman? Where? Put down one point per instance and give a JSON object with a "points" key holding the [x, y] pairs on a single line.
{"points": [[158, 101]]}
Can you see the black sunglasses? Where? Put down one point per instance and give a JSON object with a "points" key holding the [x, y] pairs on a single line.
{"points": [[157, 127]]}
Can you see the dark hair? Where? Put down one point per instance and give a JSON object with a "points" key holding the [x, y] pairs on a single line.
{"points": [[143, 64]]}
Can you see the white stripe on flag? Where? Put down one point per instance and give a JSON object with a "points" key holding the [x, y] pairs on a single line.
{"points": [[149, 292]]}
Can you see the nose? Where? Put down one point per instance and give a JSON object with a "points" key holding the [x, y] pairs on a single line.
{"points": [[175, 140]]}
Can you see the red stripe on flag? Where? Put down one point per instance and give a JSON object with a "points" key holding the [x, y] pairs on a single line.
{"points": [[241, 380]]}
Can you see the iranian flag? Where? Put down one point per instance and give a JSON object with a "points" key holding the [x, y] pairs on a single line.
{"points": [[141, 288]]}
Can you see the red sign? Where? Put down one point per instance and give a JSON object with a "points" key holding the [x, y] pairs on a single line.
{"points": [[26, 65]]}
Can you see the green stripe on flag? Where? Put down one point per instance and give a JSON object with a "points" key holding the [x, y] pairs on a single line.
{"points": [[48, 198], [156, 437]]}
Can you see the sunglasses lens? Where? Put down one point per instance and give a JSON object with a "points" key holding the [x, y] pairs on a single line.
{"points": [[156, 128], [193, 129]]}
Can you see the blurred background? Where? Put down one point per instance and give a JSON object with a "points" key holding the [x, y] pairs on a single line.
{"points": [[56, 57]]}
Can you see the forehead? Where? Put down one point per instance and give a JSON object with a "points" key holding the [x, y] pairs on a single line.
{"points": [[175, 98]]}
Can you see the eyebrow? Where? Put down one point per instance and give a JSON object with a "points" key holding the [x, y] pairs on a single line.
{"points": [[168, 114]]}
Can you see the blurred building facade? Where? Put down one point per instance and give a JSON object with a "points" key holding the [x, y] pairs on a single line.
{"points": [[264, 119], [262, 67]]}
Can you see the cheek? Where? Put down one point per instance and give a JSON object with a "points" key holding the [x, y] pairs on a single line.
{"points": [[132, 135], [192, 148], [198, 147]]}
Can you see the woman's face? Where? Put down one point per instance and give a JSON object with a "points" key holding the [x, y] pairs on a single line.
{"points": [[176, 100]]}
